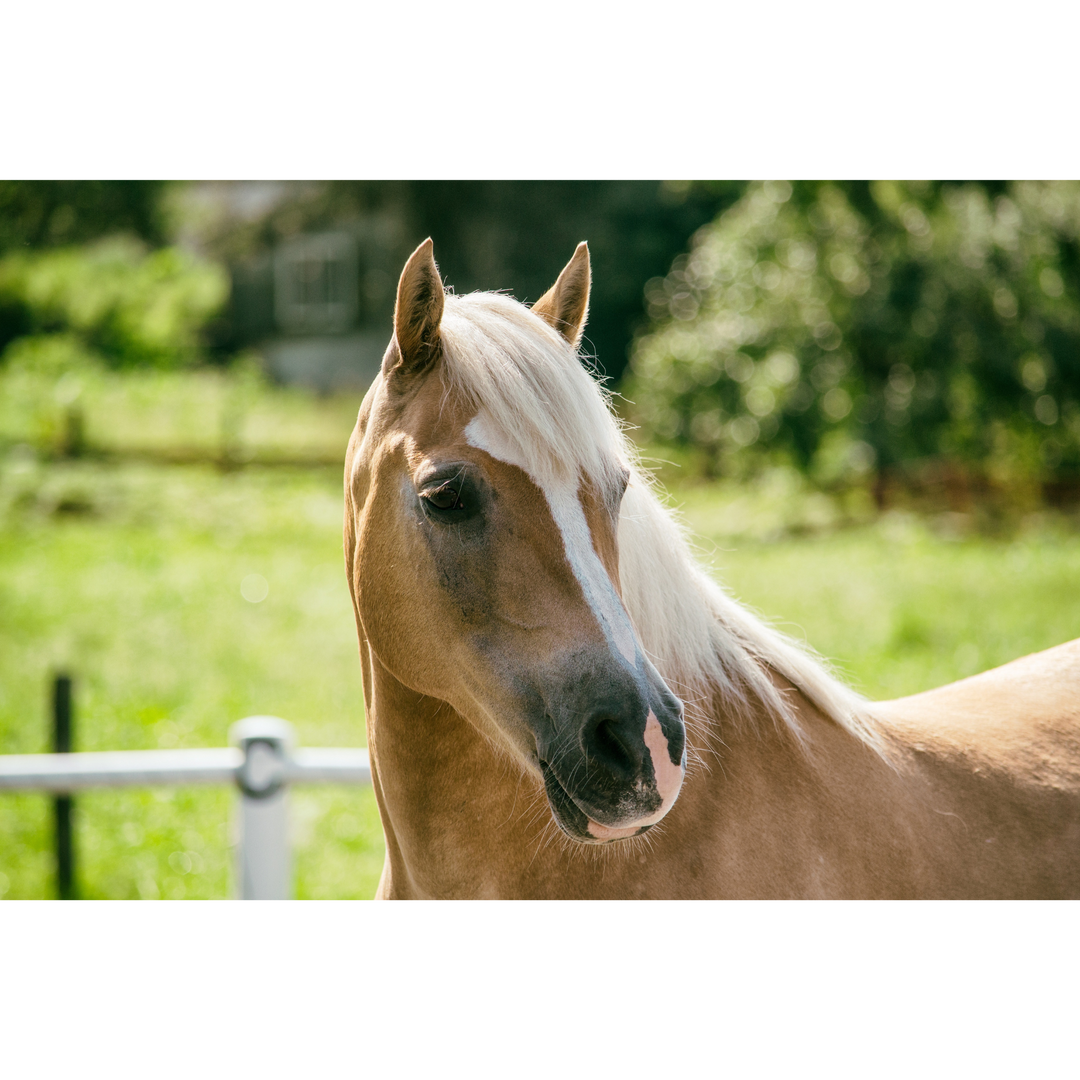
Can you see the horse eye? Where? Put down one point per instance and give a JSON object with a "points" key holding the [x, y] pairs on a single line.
{"points": [[445, 498]]}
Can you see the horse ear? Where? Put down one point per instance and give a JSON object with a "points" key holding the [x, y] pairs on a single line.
{"points": [[566, 304], [417, 315]]}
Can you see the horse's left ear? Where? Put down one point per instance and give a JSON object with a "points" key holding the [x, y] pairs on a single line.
{"points": [[417, 315], [566, 304]]}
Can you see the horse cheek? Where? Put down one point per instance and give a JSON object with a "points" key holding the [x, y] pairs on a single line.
{"points": [[395, 602], [465, 585]]}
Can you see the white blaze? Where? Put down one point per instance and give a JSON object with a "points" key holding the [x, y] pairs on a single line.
{"points": [[562, 500]]}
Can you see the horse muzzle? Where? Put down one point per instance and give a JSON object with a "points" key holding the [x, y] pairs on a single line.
{"points": [[621, 783]]}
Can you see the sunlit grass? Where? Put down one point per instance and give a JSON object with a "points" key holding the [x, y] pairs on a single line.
{"points": [[899, 602], [899, 610], [209, 412], [130, 579]]}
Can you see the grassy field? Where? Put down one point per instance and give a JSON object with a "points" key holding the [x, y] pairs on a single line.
{"points": [[902, 603], [129, 576], [135, 589]]}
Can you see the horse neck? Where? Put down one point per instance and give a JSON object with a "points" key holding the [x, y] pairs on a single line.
{"points": [[463, 820], [454, 810]]}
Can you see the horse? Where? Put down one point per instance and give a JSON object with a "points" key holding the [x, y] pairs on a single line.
{"points": [[562, 703]]}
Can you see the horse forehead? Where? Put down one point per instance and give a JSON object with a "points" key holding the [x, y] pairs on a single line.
{"points": [[483, 434], [433, 415]]}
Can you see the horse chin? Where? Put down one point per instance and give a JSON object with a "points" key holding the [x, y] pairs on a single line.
{"points": [[574, 822]]}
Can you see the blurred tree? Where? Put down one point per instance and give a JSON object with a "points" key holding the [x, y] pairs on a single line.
{"points": [[513, 235], [491, 234], [114, 299], [121, 301], [54, 213], [852, 327], [519, 235]]}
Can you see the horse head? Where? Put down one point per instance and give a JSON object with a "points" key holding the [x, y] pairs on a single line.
{"points": [[484, 486]]}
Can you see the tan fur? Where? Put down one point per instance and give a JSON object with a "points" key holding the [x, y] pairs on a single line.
{"points": [[972, 790], [565, 306], [418, 312]]}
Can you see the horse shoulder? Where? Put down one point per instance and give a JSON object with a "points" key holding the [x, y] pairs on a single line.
{"points": [[992, 767], [1023, 718]]}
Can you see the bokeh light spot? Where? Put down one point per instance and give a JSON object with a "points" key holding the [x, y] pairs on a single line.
{"points": [[254, 588]]}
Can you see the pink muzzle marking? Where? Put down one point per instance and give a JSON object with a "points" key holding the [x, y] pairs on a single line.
{"points": [[669, 780]]}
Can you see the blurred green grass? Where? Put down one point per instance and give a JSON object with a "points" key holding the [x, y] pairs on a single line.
{"points": [[207, 413], [128, 574], [129, 577], [898, 602], [898, 609]]}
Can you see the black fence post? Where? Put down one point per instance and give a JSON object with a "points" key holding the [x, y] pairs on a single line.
{"points": [[63, 804]]}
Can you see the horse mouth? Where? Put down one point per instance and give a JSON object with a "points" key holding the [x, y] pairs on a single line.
{"points": [[574, 821]]}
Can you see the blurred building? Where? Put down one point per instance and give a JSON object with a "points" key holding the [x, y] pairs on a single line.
{"points": [[315, 264], [319, 306]]}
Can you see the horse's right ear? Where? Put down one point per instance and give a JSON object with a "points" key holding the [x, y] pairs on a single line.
{"points": [[417, 315]]}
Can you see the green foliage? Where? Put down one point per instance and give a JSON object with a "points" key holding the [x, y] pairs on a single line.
{"points": [[113, 299], [489, 234], [50, 213], [851, 327]]}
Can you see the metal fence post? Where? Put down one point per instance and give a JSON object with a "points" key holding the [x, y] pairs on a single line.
{"points": [[264, 866], [63, 805]]}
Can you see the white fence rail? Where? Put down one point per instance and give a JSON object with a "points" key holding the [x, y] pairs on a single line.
{"points": [[262, 764]]}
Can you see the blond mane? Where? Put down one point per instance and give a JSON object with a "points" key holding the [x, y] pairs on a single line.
{"points": [[706, 645]]}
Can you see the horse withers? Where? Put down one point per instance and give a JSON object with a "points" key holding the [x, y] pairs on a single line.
{"points": [[562, 703]]}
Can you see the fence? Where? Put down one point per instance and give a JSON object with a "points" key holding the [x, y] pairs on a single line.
{"points": [[262, 765]]}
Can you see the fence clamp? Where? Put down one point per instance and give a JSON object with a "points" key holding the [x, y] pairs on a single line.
{"points": [[265, 742]]}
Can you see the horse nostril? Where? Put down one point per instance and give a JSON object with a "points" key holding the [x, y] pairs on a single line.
{"points": [[611, 747]]}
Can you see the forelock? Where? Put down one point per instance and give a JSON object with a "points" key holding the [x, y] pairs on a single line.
{"points": [[531, 382]]}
